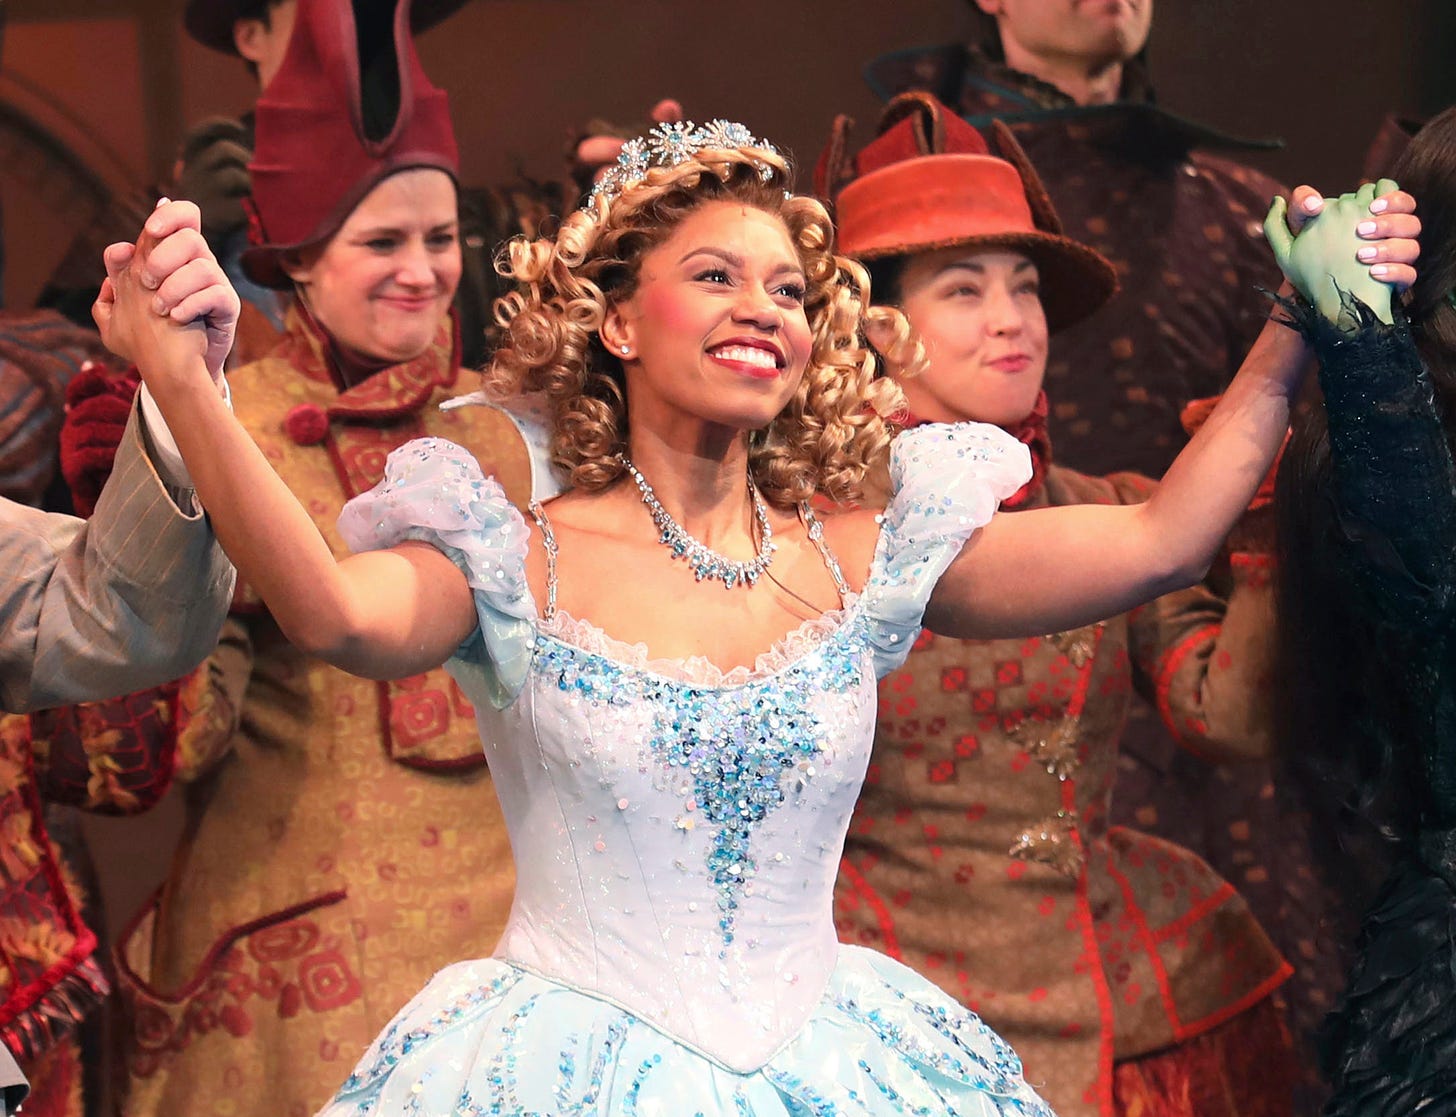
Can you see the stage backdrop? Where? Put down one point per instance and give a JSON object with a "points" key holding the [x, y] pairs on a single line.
{"points": [[520, 72]]}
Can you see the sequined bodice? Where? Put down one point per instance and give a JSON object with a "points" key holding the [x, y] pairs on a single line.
{"points": [[677, 835], [676, 842]]}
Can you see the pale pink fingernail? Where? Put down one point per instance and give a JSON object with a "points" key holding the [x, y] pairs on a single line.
{"points": [[161, 202], [1379, 205], [1365, 228], [1313, 203], [1378, 269]]}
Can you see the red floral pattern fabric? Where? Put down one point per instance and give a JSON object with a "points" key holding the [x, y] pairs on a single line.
{"points": [[981, 852]]}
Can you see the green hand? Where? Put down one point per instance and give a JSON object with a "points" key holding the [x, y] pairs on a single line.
{"points": [[1320, 261]]}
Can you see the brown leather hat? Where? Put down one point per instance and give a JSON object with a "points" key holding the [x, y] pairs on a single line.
{"points": [[929, 180], [210, 22]]}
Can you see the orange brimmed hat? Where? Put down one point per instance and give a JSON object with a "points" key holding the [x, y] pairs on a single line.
{"points": [[929, 180], [349, 106]]}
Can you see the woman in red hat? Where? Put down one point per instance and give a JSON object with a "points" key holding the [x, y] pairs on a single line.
{"points": [[674, 668], [1129, 977], [342, 842]]}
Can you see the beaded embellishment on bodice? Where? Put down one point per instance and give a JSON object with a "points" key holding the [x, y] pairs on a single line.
{"points": [[726, 757], [687, 867], [683, 840], [677, 833]]}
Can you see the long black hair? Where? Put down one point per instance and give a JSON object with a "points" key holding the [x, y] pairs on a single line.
{"points": [[1348, 717]]}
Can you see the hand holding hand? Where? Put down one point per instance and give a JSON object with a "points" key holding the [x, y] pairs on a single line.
{"points": [[165, 298], [1364, 243]]}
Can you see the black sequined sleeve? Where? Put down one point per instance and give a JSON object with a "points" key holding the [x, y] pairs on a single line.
{"points": [[1389, 508], [1394, 482]]}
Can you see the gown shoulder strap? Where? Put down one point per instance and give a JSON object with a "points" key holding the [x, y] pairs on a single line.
{"points": [[548, 540]]}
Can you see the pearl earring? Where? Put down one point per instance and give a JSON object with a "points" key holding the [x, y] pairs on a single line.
{"points": [[626, 349]]}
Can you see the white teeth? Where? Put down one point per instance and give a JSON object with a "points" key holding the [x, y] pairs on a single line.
{"points": [[747, 355]]}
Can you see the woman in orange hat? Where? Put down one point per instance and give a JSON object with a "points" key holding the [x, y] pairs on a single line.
{"points": [[1127, 974], [674, 669]]}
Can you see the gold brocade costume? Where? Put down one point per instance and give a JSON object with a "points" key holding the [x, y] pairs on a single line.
{"points": [[343, 839], [980, 853]]}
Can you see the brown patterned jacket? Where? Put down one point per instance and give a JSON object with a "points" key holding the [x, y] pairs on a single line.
{"points": [[981, 855], [343, 840]]}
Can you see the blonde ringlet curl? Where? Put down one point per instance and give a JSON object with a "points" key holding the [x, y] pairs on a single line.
{"points": [[824, 442]]}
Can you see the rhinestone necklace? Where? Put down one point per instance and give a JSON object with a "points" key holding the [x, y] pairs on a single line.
{"points": [[707, 564]]}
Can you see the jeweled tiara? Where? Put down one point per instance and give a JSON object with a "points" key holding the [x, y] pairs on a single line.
{"points": [[667, 145]]}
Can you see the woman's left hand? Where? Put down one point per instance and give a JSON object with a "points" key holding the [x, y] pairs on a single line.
{"points": [[1365, 243]]}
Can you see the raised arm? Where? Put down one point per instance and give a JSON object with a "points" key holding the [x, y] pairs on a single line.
{"points": [[1053, 569], [384, 614], [1391, 498]]}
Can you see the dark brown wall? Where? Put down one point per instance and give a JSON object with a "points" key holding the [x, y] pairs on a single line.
{"points": [[1319, 72]]}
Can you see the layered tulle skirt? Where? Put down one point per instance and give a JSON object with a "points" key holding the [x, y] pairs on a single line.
{"points": [[488, 1038]]}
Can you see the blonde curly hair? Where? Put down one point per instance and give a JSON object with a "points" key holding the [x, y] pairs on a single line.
{"points": [[831, 433]]}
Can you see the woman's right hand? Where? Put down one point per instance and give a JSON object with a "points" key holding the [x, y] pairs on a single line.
{"points": [[165, 300]]}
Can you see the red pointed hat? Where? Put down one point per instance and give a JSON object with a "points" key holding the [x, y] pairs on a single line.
{"points": [[210, 22], [929, 180], [349, 106]]}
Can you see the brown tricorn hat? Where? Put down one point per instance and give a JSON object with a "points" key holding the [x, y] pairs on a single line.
{"points": [[211, 22], [929, 180]]}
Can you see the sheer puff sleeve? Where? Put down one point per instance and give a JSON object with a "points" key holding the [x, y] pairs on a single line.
{"points": [[946, 481], [434, 491]]}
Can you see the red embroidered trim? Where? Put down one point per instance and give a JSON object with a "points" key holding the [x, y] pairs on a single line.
{"points": [[27, 996], [1105, 1098], [1105, 1012], [1220, 896], [863, 890], [458, 764], [1078, 701], [1254, 560], [1243, 1004], [1135, 912], [1172, 660], [1188, 1030], [218, 948]]}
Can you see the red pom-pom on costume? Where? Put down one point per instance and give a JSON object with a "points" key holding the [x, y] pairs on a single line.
{"points": [[98, 405], [306, 424]]}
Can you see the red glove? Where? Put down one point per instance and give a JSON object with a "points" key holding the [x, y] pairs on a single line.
{"points": [[98, 405]]}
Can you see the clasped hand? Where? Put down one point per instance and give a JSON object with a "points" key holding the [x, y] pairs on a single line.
{"points": [[1364, 243], [165, 301]]}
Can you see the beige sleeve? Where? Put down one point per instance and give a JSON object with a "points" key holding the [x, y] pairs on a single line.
{"points": [[132, 598]]}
